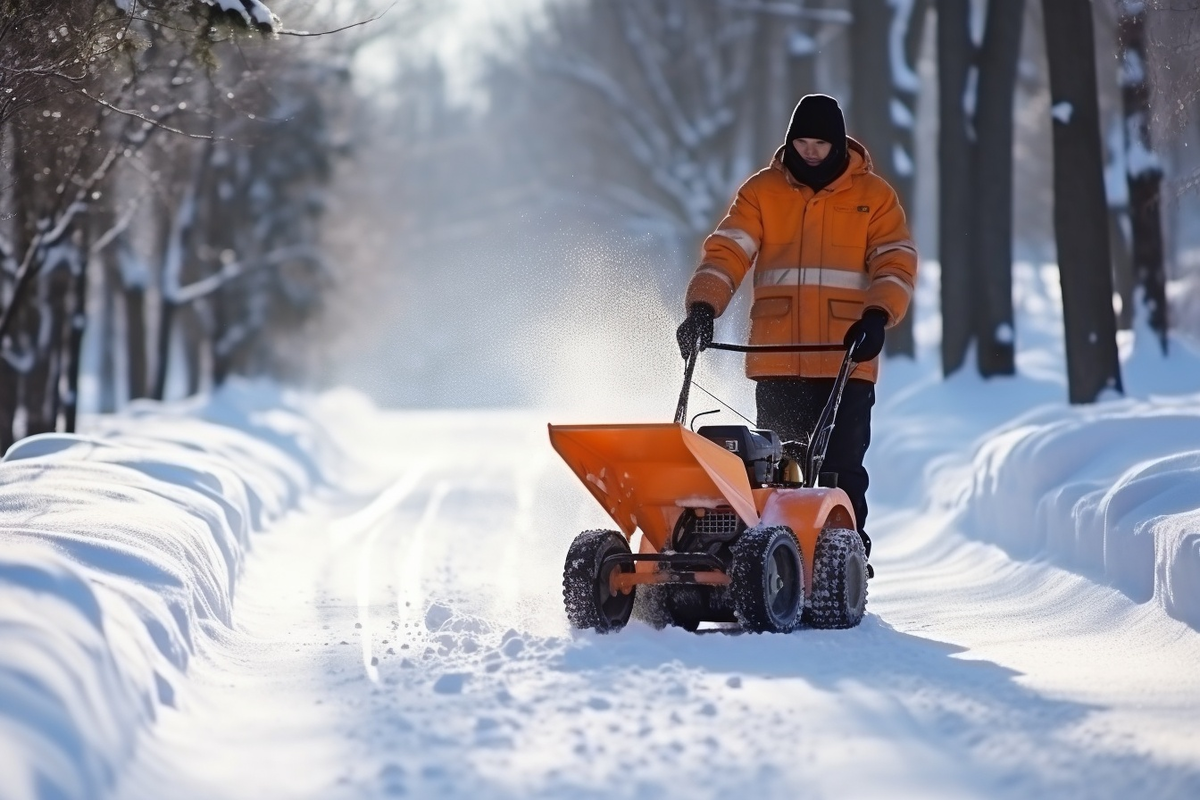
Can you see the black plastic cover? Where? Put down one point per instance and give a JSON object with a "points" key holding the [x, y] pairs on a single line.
{"points": [[761, 450]]}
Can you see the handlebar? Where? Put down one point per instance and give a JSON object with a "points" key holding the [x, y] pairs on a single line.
{"points": [[827, 347], [823, 431]]}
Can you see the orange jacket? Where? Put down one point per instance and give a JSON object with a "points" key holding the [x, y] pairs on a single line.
{"points": [[819, 260]]}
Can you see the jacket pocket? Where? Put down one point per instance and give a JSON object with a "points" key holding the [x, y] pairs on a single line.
{"points": [[848, 227], [840, 315], [771, 321], [846, 309]]}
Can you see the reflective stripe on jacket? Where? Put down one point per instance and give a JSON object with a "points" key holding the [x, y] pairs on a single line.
{"points": [[819, 260]]}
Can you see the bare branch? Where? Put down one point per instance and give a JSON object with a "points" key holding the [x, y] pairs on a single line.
{"points": [[206, 286], [143, 117], [360, 23], [122, 224]]}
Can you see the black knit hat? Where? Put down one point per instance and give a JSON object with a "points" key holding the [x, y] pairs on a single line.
{"points": [[817, 116]]}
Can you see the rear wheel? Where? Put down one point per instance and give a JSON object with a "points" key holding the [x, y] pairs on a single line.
{"points": [[767, 579], [839, 591], [590, 602]]}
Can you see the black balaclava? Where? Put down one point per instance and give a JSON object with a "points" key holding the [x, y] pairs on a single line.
{"points": [[817, 116]]}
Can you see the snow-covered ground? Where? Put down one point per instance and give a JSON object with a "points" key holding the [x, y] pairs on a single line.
{"points": [[397, 627]]}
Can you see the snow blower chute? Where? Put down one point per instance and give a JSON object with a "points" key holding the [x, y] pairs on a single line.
{"points": [[735, 527]]}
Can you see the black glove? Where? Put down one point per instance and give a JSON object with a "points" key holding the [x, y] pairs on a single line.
{"points": [[868, 333], [696, 332]]}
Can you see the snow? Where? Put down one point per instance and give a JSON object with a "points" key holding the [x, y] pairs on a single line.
{"points": [[904, 77], [1062, 111], [801, 44], [901, 161], [1140, 159], [1032, 631], [252, 11], [1133, 70], [120, 549], [902, 115]]}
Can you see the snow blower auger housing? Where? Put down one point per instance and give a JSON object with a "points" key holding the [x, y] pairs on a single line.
{"points": [[732, 529]]}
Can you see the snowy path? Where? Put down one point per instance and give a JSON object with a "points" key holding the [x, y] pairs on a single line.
{"points": [[412, 643]]}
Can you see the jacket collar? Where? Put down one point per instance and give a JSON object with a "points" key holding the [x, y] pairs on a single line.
{"points": [[860, 164]]}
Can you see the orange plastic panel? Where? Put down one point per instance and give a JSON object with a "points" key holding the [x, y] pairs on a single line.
{"points": [[645, 475], [806, 512]]}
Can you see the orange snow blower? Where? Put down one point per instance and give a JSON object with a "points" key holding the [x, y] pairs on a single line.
{"points": [[735, 526]]}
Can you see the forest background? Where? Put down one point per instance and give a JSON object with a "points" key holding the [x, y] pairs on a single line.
{"points": [[419, 198]]}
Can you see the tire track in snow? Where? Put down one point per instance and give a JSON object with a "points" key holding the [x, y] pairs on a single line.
{"points": [[370, 520], [409, 591]]}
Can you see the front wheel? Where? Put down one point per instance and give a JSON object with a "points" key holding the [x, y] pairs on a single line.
{"points": [[839, 591], [586, 593], [767, 579]]}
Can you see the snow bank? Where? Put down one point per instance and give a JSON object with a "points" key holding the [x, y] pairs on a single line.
{"points": [[117, 550], [1111, 490]]}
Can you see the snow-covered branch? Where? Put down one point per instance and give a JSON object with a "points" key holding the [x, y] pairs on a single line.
{"points": [[182, 295], [253, 13]]}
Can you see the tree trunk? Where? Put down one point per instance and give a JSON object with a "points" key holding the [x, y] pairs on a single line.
{"points": [[886, 39], [870, 87], [193, 334], [955, 189], [136, 341], [1080, 212], [993, 175], [8, 406], [903, 107], [166, 325], [1118, 224], [44, 327], [75, 324], [1142, 169], [106, 330]]}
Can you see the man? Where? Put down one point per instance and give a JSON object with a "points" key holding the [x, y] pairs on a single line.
{"points": [[833, 262]]}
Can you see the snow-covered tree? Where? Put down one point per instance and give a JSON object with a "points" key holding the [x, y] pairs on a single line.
{"points": [[1143, 167], [673, 103], [101, 102]]}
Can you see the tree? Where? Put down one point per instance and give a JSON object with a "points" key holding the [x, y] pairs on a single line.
{"points": [[90, 85], [677, 101], [992, 172], [1079, 205], [1143, 169], [956, 187], [977, 86], [886, 40]]}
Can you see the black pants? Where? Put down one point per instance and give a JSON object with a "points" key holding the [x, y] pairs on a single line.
{"points": [[790, 407]]}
